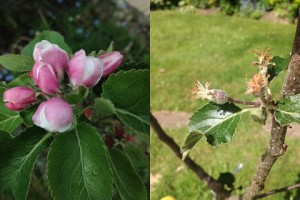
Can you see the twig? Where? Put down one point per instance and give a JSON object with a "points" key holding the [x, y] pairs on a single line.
{"points": [[284, 189], [249, 103], [277, 147], [212, 183]]}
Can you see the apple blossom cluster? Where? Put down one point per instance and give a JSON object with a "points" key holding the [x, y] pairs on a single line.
{"points": [[48, 72]]}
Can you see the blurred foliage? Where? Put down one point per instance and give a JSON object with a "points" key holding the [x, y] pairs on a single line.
{"points": [[163, 4], [90, 25], [249, 8]]}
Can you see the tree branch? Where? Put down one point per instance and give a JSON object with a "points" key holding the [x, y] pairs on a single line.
{"points": [[249, 103], [277, 147], [212, 183], [284, 189]]}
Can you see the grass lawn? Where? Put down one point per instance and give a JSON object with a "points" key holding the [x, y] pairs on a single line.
{"points": [[246, 147], [213, 48]]}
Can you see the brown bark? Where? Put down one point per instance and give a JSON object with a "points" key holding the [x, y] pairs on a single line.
{"points": [[284, 189], [277, 147], [213, 184]]}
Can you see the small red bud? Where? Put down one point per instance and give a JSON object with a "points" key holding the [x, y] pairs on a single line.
{"points": [[128, 138], [119, 133], [109, 141], [89, 113]]}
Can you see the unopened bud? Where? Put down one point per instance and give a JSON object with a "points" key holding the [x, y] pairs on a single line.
{"points": [[219, 97], [85, 70], [54, 115], [129, 138], [119, 133], [111, 61], [18, 98], [89, 113], [213, 95], [109, 141]]}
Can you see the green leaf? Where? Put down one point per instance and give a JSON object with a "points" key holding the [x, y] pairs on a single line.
{"points": [[9, 120], [22, 80], [111, 47], [128, 183], [17, 159], [77, 95], [104, 108], [27, 114], [77, 110], [216, 122], [259, 115], [100, 52], [288, 110], [18, 63], [138, 159], [135, 65], [78, 166], [130, 93], [51, 36], [191, 140], [280, 66]]}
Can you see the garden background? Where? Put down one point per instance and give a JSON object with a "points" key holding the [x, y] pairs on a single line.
{"points": [[209, 46]]}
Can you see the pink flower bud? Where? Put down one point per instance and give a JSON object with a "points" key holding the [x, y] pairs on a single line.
{"points": [[45, 78], [53, 55], [18, 98], [54, 115], [111, 62], [85, 70]]}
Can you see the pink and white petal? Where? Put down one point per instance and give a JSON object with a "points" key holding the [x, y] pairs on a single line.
{"points": [[111, 62], [19, 95], [77, 67], [93, 72], [57, 58], [36, 118], [39, 48], [34, 72], [59, 113], [15, 106], [47, 80]]}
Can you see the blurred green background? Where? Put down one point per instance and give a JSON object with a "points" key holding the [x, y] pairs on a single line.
{"points": [[255, 9], [215, 48], [85, 24]]}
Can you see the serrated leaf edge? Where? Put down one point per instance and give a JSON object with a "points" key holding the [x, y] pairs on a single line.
{"points": [[126, 71], [78, 138], [200, 132]]}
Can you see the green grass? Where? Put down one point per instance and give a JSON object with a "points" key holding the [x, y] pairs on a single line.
{"points": [[246, 147], [213, 48]]}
